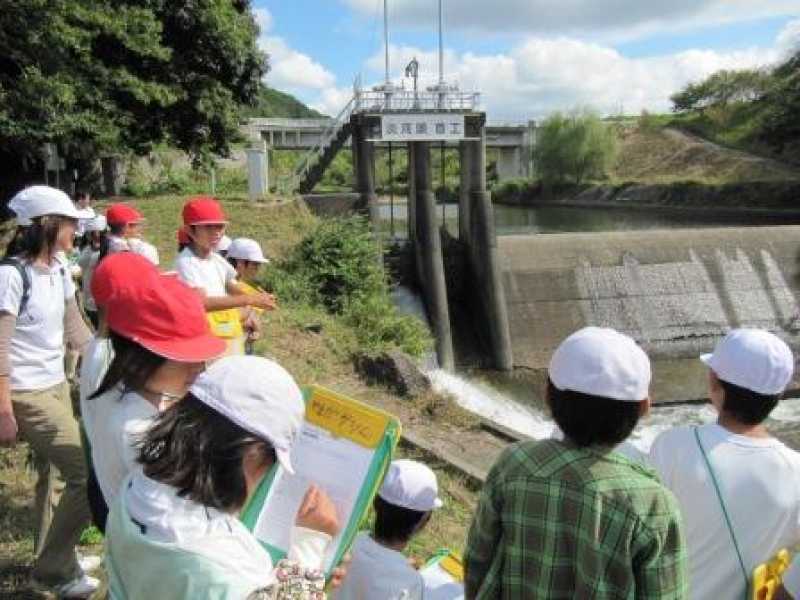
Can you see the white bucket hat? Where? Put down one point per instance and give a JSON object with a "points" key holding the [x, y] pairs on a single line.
{"points": [[224, 244], [259, 396], [601, 362], [99, 223], [753, 359], [410, 484], [246, 249], [40, 200]]}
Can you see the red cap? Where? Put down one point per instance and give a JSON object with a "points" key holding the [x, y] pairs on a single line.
{"points": [[158, 312], [183, 236], [202, 210], [122, 214]]}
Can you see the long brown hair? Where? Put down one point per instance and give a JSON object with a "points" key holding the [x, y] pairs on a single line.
{"points": [[30, 242]]}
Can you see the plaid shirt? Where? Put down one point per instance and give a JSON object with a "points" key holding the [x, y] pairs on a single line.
{"points": [[558, 521]]}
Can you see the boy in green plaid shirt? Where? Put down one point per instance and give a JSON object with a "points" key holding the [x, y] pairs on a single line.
{"points": [[575, 518]]}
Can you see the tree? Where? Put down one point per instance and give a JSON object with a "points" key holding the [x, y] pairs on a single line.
{"points": [[574, 147], [121, 75], [722, 88], [781, 124]]}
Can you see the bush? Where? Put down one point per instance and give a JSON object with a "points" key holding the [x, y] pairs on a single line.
{"points": [[574, 147], [338, 266]]}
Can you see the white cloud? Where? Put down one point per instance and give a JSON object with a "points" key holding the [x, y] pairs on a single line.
{"points": [[540, 75], [620, 19], [289, 69], [789, 38]]}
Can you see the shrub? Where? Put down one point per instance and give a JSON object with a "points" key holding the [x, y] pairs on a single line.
{"points": [[574, 147]]}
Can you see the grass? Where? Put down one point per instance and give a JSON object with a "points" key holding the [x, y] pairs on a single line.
{"points": [[313, 345]]}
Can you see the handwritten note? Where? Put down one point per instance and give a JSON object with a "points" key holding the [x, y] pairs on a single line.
{"points": [[343, 418], [336, 464]]}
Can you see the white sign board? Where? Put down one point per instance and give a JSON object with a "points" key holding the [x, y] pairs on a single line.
{"points": [[422, 127]]}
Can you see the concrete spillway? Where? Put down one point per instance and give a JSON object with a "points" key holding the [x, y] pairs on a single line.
{"points": [[675, 291]]}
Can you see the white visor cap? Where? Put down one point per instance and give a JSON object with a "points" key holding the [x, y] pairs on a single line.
{"points": [[601, 362], [259, 396], [246, 249], [410, 484], [753, 359], [40, 200]]}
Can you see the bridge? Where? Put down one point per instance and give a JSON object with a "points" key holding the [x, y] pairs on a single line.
{"points": [[514, 140]]}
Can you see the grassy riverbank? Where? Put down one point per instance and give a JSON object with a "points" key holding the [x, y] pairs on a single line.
{"points": [[314, 344]]}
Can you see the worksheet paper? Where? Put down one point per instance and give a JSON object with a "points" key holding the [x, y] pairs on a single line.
{"points": [[440, 585], [336, 465]]}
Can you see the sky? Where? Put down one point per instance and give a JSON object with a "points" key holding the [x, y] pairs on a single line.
{"points": [[527, 58]]}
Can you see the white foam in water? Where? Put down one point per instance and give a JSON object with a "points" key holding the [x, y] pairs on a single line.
{"points": [[488, 402]]}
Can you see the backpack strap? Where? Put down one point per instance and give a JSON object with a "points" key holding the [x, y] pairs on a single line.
{"points": [[13, 261]]}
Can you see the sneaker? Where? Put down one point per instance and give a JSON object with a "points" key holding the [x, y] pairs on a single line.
{"points": [[80, 587], [90, 562]]}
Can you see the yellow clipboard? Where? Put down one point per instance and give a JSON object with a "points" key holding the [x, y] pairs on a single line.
{"points": [[225, 324], [768, 576]]}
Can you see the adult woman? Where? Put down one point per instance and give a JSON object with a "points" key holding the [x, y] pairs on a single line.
{"points": [[38, 314], [200, 266], [160, 342], [202, 460]]}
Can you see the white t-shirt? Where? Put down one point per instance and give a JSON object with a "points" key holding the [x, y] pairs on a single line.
{"points": [[759, 479], [87, 261], [211, 274], [135, 245], [378, 572], [117, 422], [95, 362], [37, 346]]}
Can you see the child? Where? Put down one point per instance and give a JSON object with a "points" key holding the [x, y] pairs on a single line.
{"points": [[575, 518], [246, 257], [125, 233], [403, 507], [94, 235]]}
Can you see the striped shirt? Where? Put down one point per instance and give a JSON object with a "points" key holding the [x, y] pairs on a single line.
{"points": [[558, 521]]}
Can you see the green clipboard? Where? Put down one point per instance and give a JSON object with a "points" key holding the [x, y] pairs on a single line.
{"points": [[448, 561], [342, 417]]}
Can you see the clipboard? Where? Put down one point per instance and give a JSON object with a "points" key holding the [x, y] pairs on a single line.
{"points": [[342, 441], [443, 575]]}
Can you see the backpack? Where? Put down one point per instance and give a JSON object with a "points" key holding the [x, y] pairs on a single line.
{"points": [[13, 261]]}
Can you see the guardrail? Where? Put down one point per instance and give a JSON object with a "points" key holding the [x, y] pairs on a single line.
{"points": [[407, 100]]}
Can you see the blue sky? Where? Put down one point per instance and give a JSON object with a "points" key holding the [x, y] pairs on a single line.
{"points": [[526, 57]]}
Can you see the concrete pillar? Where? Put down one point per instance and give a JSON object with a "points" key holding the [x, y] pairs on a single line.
{"points": [[366, 178], [257, 172], [465, 188], [485, 263], [509, 165], [429, 242], [110, 166], [412, 195]]}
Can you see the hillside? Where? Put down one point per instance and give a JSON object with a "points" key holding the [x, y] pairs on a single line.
{"points": [[274, 103], [656, 155]]}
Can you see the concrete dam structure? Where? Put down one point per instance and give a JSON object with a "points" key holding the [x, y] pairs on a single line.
{"points": [[675, 291]]}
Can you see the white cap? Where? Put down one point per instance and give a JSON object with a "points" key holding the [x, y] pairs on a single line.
{"points": [[410, 484], [246, 249], [601, 362], [99, 223], [259, 396], [39, 200], [753, 359], [224, 243]]}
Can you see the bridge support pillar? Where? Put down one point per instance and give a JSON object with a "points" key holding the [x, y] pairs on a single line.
{"points": [[365, 173], [428, 250], [464, 189], [483, 259], [509, 164], [411, 213], [257, 171]]}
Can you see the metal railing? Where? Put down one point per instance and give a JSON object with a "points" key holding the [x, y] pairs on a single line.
{"points": [[408, 100], [329, 133]]}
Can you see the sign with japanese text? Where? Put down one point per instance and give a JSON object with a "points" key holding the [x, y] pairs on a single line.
{"points": [[422, 127]]}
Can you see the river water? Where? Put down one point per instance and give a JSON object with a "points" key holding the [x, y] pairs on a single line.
{"points": [[515, 402]]}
